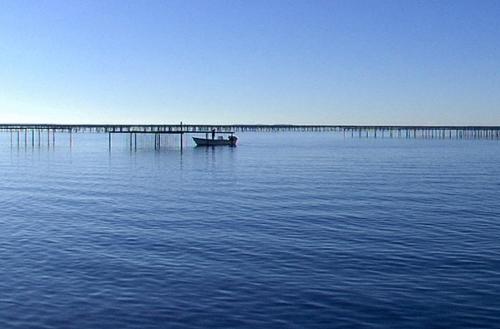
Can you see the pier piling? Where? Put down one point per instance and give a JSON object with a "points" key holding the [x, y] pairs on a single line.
{"points": [[424, 132]]}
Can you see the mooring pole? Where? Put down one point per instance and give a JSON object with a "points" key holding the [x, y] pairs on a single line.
{"points": [[135, 141], [109, 141], [130, 135], [32, 138]]}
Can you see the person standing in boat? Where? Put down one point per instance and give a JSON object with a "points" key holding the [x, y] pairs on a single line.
{"points": [[213, 134]]}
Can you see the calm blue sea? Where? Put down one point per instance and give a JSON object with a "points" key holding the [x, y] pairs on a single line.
{"points": [[287, 230]]}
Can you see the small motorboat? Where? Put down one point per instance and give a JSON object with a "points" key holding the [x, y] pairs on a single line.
{"points": [[220, 141]]}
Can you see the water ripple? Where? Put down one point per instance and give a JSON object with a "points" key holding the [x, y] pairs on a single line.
{"points": [[286, 231]]}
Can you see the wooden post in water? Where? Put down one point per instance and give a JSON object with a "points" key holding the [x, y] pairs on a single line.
{"points": [[181, 136]]}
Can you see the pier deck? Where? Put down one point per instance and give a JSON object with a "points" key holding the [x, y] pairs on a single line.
{"points": [[197, 128]]}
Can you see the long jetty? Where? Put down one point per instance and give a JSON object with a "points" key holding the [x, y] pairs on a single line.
{"points": [[36, 132]]}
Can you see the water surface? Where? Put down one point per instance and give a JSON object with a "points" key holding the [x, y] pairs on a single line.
{"points": [[284, 231]]}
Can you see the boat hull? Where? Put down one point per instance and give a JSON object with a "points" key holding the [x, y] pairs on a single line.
{"points": [[214, 142]]}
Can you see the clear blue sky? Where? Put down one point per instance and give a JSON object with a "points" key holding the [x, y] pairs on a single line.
{"points": [[271, 61]]}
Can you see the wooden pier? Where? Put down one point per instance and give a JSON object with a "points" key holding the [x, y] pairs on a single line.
{"points": [[36, 133]]}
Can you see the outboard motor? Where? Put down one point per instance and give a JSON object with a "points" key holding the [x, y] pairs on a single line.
{"points": [[233, 140]]}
